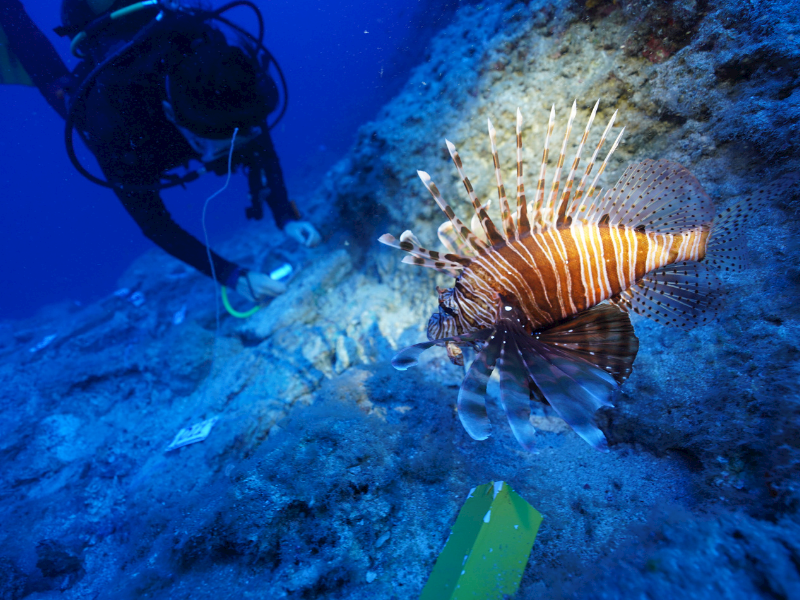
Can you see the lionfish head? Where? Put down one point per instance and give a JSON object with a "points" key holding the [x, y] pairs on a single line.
{"points": [[442, 323]]}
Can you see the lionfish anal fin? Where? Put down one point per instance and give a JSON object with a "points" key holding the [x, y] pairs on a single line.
{"points": [[684, 294]]}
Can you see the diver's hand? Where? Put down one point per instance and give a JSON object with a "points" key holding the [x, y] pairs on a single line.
{"points": [[304, 232], [260, 287]]}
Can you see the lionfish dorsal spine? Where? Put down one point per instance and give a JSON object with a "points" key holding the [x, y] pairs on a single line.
{"points": [[505, 210], [538, 205], [551, 199], [408, 235], [460, 228], [492, 235], [595, 202], [566, 195], [446, 263], [578, 198], [523, 225]]}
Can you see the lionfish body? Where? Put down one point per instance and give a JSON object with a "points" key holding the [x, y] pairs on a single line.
{"points": [[545, 297], [565, 271]]}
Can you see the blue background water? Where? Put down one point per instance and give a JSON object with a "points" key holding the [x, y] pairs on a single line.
{"points": [[65, 238]]}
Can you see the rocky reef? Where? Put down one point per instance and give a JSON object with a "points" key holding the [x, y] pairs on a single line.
{"points": [[328, 474]]}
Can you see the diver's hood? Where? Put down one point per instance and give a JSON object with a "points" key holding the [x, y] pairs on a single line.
{"points": [[221, 86]]}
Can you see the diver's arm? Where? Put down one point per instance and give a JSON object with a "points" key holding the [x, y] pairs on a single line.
{"points": [[36, 54], [149, 212], [265, 180]]}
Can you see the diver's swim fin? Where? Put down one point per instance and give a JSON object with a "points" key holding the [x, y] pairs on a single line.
{"points": [[11, 70]]}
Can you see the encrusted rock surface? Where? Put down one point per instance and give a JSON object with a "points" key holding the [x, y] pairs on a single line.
{"points": [[331, 475]]}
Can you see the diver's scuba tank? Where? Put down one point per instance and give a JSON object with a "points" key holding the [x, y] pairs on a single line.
{"points": [[189, 104]]}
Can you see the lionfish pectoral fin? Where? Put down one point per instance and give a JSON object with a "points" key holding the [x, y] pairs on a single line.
{"points": [[602, 335], [684, 294], [575, 388], [472, 394], [515, 393], [577, 365], [409, 356]]}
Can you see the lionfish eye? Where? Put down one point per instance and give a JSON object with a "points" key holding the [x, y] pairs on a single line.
{"points": [[447, 309]]}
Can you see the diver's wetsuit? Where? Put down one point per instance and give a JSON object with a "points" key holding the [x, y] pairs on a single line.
{"points": [[125, 126]]}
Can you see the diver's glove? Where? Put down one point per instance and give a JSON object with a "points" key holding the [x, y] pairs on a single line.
{"points": [[257, 286], [304, 232]]}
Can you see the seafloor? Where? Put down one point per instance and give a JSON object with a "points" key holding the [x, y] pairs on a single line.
{"points": [[330, 474]]}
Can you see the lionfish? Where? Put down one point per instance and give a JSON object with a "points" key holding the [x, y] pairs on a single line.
{"points": [[546, 298]]}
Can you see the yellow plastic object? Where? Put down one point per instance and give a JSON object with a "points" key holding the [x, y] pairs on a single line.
{"points": [[488, 547]]}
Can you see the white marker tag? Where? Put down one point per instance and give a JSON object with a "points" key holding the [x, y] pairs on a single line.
{"points": [[189, 435], [43, 344]]}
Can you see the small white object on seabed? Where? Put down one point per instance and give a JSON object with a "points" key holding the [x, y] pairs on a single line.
{"points": [[137, 299], [43, 344], [190, 435], [179, 316]]}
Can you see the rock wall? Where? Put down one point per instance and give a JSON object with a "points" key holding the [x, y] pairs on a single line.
{"points": [[331, 475]]}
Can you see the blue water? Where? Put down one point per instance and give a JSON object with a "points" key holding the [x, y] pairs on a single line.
{"points": [[67, 239]]}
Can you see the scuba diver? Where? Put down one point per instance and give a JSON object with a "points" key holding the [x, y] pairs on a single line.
{"points": [[160, 84]]}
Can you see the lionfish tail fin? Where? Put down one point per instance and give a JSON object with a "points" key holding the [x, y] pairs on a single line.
{"points": [[726, 245]]}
